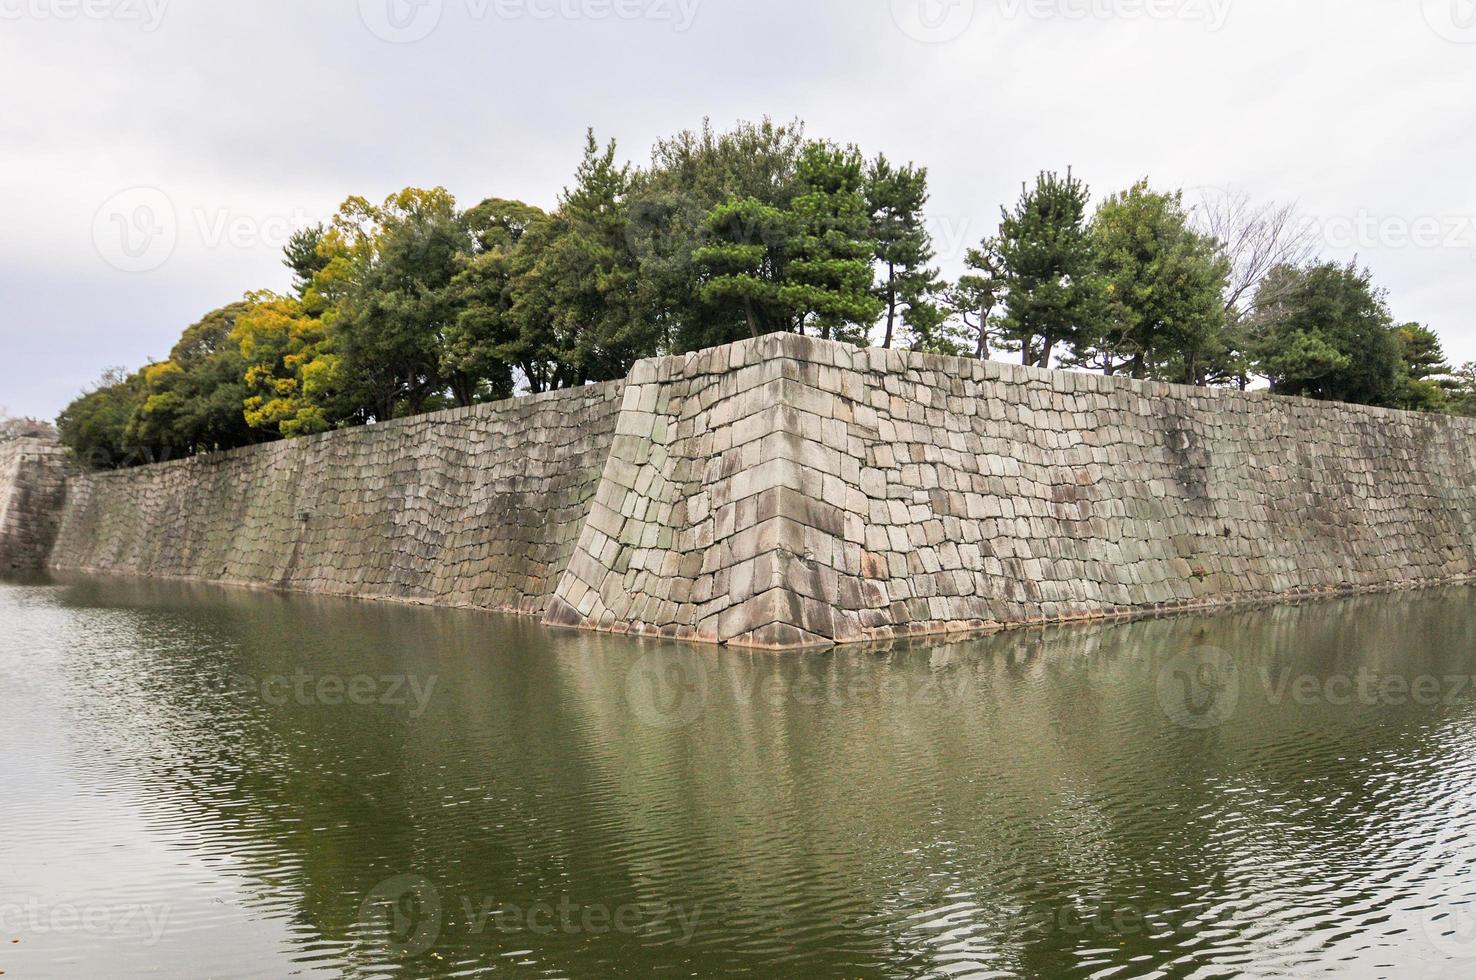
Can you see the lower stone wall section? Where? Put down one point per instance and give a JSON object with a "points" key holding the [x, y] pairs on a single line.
{"points": [[786, 492], [476, 507], [33, 476]]}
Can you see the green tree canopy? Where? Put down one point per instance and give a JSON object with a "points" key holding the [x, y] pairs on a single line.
{"points": [[976, 296], [670, 219], [741, 270], [909, 285], [1048, 268], [1325, 332], [483, 344], [829, 276], [389, 273], [1165, 285], [95, 425], [194, 402]]}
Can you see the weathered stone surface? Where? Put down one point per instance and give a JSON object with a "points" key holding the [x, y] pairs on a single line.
{"points": [[33, 476], [786, 492], [820, 493], [474, 507]]}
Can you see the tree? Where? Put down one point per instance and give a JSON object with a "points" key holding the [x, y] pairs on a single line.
{"points": [[1425, 383], [828, 279], [896, 197], [1325, 332], [978, 294], [1462, 398], [304, 256], [483, 341], [578, 300], [388, 274], [1255, 239], [669, 220], [532, 279], [95, 426], [1048, 269], [1164, 284], [291, 376], [195, 401], [742, 269]]}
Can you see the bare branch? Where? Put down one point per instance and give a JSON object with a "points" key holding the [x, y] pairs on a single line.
{"points": [[1256, 238]]}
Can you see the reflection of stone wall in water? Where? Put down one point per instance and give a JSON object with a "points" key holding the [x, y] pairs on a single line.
{"points": [[785, 491], [33, 475]]}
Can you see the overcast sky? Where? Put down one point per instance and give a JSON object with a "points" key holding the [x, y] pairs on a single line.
{"points": [[154, 154]]}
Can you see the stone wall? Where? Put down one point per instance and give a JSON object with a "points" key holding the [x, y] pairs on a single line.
{"points": [[475, 507], [785, 492], [33, 476]]}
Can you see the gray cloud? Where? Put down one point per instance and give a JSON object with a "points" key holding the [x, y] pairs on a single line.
{"points": [[246, 118]]}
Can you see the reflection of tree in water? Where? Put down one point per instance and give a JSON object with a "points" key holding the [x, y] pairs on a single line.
{"points": [[1012, 801]]}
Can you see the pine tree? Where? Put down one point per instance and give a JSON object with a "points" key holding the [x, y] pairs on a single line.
{"points": [[978, 294], [828, 279], [583, 285], [1048, 271], [896, 197], [742, 270]]}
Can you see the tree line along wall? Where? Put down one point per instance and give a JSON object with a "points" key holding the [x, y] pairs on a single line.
{"points": [[785, 492]]}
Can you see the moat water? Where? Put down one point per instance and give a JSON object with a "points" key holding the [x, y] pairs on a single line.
{"points": [[196, 782]]}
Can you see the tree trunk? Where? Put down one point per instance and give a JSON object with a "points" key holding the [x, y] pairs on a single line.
{"points": [[1047, 345], [891, 304]]}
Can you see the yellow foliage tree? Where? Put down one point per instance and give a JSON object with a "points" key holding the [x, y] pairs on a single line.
{"points": [[291, 371]]}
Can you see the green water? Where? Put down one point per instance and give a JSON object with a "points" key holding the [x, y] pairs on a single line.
{"points": [[206, 783]]}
